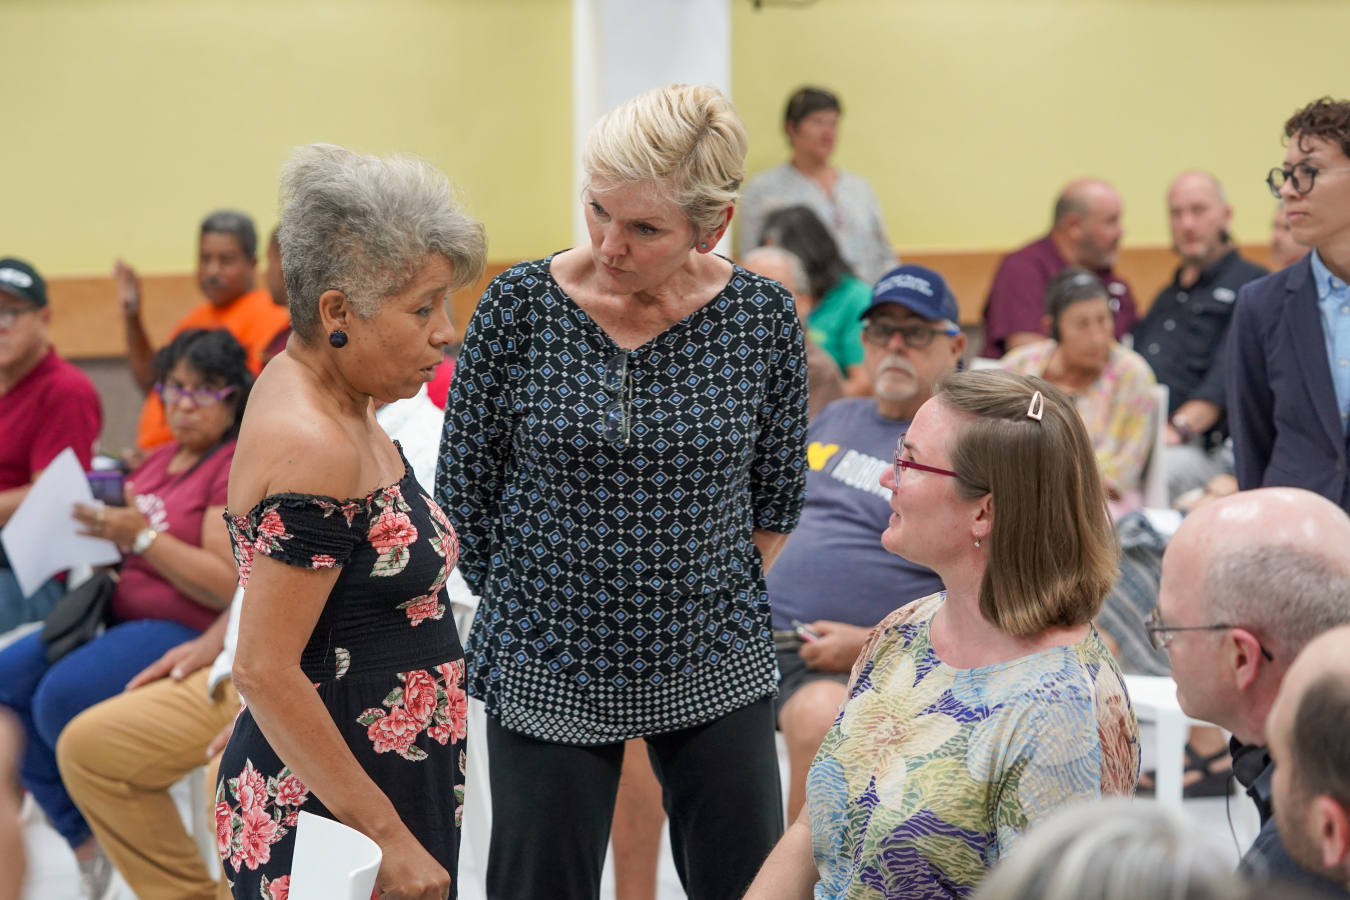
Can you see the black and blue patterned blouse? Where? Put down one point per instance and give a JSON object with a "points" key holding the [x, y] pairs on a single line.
{"points": [[621, 592]]}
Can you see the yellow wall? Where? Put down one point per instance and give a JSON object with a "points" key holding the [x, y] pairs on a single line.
{"points": [[968, 115], [125, 121]]}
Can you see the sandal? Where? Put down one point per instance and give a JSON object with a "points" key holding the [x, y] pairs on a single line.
{"points": [[1211, 783]]}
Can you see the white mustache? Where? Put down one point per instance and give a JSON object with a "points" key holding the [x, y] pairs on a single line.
{"points": [[896, 362]]}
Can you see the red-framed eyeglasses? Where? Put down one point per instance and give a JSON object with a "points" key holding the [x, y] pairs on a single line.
{"points": [[906, 464]]}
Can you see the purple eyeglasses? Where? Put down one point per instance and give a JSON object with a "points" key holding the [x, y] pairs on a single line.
{"points": [[906, 464]]}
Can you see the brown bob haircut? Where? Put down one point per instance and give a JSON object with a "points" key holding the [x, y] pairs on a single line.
{"points": [[1325, 118], [1053, 549]]}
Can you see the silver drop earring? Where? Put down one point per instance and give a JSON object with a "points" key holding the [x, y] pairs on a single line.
{"points": [[977, 543]]}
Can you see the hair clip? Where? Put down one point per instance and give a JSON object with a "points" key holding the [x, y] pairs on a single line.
{"points": [[1037, 407]]}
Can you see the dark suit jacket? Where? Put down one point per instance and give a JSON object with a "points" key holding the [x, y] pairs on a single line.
{"points": [[1282, 408]]}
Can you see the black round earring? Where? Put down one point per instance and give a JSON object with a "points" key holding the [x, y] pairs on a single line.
{"points": [[338, 339]]}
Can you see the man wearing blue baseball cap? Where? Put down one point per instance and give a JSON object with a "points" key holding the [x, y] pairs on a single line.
{"points": [[834, 580]]}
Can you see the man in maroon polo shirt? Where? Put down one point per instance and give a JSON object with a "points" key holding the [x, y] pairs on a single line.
{"points": [[1086, 233], [46, 405]]}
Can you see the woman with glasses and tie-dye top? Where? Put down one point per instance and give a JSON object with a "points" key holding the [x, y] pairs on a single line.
{"points": [[624, 456]]}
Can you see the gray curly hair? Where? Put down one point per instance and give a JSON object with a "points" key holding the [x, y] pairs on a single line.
{"points": [[364, 225]]}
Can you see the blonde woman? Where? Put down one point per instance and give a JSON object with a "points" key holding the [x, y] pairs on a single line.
{"points": [[975, 712], [623, 459]]}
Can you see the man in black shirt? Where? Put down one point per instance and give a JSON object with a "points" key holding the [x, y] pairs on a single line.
{"points": [[1182, 336]]}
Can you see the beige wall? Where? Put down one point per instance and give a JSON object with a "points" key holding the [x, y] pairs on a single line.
{"points": [[127, 120], [968, 115]]}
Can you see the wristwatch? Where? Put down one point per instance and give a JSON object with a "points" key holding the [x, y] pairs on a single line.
{"points": [[144, 538]]}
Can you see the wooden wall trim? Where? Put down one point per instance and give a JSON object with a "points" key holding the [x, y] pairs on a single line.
{"points": [[86, 324]]}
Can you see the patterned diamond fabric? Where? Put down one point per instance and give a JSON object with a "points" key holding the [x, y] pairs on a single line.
{"points": [[622, 594]]}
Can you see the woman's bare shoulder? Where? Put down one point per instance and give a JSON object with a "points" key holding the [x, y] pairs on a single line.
{"points": [[289, 444]]}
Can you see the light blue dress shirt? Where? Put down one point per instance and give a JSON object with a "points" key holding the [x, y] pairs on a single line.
{"points": [[1333, 299]]}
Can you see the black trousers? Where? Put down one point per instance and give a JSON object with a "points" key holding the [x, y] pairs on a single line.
{"points": [[552, 806]]}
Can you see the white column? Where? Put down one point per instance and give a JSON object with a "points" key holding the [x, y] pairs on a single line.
{"points": [[621, 48]]}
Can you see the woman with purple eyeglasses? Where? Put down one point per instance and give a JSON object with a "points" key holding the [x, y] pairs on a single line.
{"points": [[177, 577], [976, 712]]}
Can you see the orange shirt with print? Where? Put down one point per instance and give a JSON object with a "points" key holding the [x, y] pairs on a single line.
{"points": [[253, 319]]}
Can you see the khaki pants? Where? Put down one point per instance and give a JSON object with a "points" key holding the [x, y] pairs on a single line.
{"points": [[118, 760]]}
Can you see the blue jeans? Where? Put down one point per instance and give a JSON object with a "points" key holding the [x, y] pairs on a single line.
{"points": [[16, 609], [46, 697]]}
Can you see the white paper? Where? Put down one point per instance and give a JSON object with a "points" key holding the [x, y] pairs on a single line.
{"points": [[42, 539]]}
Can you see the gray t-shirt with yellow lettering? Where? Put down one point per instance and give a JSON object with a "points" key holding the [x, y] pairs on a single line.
{"points": [[834, 566]]}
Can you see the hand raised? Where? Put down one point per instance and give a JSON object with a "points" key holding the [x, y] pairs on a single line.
{"points": [[128, 289]]}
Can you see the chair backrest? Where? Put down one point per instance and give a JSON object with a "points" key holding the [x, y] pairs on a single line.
{"points": [[1155, 472], [332, 861]]}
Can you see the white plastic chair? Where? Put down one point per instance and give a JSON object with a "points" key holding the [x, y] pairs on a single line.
{"points": [[1155, 472], [1154, 699], [332, 861]]}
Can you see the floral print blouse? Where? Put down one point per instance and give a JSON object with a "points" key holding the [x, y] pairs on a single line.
{"points": [[930, 774]]}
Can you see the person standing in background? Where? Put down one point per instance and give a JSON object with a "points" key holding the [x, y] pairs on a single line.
{"points": [[843, 201], [1288, 368], [226, 267], [46, 405], [1086, 233]]}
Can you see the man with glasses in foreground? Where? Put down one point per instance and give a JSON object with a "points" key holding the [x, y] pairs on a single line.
{"points": [[1288, 368], [1247, 582], [46, 405], [834, 580]]}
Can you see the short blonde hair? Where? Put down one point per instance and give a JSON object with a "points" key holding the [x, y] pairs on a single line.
{"points": [[1053, 550], [686, 138], [365, 225]]}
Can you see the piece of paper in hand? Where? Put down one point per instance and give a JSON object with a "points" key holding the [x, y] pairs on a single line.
{"points": [[42, 537]]}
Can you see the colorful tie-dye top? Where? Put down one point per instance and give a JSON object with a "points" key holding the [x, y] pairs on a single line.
{"points": [[930, 774]]}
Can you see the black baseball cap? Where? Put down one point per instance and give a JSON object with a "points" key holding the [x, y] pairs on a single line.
{"points": [[19, 279]]}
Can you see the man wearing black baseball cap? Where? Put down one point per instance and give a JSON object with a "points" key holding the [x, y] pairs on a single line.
{"points": [[834, 580], [46, 405]]}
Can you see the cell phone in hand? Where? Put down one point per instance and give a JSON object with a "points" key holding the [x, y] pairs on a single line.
{"points": [[107, 487], [805, 632]]}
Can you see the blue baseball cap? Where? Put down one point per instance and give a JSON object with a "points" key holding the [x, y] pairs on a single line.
{"points": [[919, 290]]}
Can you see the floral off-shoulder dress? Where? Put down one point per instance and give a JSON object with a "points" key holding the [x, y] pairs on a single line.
{"points": [[385, 659]]}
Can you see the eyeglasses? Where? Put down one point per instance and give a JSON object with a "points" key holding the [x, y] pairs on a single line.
{"points": [[906, 464], [201, 398], [1160, 633], [617, 427], [1302, 175], [879, 332], [10, 315]]}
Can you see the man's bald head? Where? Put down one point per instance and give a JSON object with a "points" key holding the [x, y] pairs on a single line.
{"points": [[1272, 567], [1311, 749], [1199, 217], [1087, 223], [1273, 558]]}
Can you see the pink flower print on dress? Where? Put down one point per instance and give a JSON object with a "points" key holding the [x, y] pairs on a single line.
{"points": [[454, 710], [277, 888], [419, 696], [291, 792], [224, 828], [242, 546], [395, 731], [252, 789], [322, 561], [419, 609], [257, 834], [391, 533], [271, 532]]}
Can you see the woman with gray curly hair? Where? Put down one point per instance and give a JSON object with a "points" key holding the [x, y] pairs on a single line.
{"points": [[624, 455], [352, 671]]}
